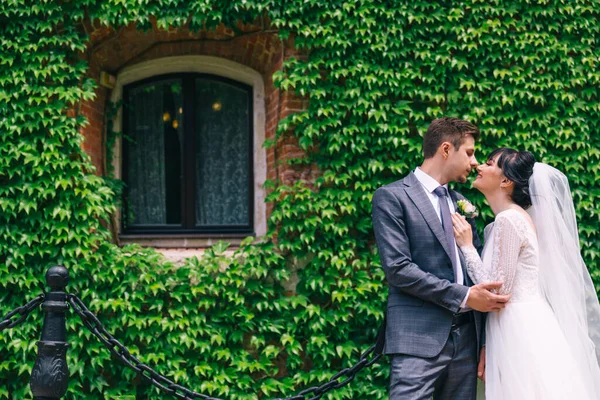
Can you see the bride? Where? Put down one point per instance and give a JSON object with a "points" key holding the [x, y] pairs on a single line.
{"points": [[546, 343]]}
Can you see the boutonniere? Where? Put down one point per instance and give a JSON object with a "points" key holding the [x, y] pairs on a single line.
{"points": [[467, 209]]}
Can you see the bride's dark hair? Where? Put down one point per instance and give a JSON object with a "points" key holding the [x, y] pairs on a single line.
{"points": [[518, 167]]}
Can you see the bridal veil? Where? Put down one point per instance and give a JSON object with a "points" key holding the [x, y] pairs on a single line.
{"points": [[565, 281]]}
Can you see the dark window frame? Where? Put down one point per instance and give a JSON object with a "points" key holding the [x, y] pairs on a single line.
{"points": [[188, 191]]}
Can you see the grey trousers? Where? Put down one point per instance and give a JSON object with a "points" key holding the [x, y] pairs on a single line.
{"points": [[452, 375]]}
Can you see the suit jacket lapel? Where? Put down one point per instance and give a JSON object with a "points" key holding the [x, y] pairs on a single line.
{"points": [[463, 264], [454, 198], [418, 196]]}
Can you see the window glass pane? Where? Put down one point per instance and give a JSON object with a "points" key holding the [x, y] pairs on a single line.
{"points": [[222, 153], [154, 153]]}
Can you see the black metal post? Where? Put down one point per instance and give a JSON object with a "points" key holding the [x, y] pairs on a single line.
{"points": [[50, 375]]}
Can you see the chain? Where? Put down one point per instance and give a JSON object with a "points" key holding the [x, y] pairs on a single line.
{"points": [[122, 353], [7, 322], [348, 374]]}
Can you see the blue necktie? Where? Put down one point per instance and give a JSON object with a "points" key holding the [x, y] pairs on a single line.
{"points": [[447, 225]]}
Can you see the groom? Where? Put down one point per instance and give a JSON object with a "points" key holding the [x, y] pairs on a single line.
{"points": [[434, 329]]}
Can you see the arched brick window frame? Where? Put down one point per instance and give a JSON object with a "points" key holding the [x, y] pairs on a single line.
{"points": [[204, 65]]}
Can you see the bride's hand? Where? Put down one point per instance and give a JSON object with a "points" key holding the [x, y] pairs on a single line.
{"points": [[462, 231], [481, 366]]}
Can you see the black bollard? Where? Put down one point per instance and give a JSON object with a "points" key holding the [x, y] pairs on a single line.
{"points": [[50, 375]]}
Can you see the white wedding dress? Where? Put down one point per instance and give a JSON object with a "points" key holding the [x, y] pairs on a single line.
{"points": [[527, 354]]}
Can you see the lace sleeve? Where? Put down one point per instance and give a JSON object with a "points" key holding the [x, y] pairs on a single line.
{"points": [[507, 246], [475, 267]]}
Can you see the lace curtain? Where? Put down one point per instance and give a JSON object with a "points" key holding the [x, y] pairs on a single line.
{"points": [[155, 155], [222, 154], [152, 110]]}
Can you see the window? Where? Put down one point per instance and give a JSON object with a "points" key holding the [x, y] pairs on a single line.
{"points": [[188, 155]]}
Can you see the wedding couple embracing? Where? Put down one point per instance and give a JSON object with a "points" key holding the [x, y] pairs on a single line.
{"points": [[520, 310]]}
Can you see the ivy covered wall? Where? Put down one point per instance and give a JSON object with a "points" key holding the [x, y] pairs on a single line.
{"points": [[526, 72]]}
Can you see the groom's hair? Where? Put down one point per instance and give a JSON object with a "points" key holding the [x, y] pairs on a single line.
{"points": [[447, 129]]}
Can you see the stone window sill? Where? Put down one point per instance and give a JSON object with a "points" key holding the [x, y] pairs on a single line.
{"points": [[182, 241]]}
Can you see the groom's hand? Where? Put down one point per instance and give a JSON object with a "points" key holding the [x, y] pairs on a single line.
{"points": [[482, 299]]}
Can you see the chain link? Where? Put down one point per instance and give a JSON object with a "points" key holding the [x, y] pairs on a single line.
{"points": [[8, 322], [348, 373], [120, 351]]}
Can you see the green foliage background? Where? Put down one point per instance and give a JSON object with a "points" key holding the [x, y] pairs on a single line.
{"points": [[526, 72]]}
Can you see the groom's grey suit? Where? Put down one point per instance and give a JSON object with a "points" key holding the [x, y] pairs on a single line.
{"points": [[431, 355]]}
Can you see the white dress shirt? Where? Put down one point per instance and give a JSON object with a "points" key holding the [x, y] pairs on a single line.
{"points": [[430, 184]]}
